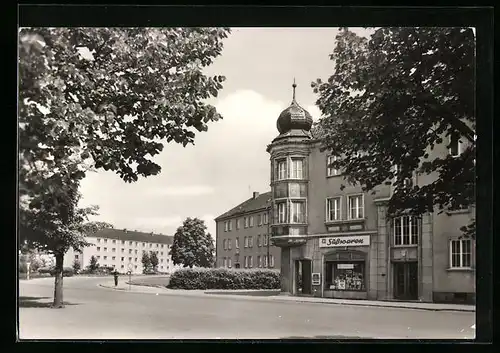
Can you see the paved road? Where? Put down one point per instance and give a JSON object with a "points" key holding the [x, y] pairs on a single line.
{"points": [[94, 312]]}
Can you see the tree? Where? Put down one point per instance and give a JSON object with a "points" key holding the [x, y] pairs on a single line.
{"points": [[192, 245], [146, 262], [76, 266], [103, 98], [391, 99], [93, 265], [153, 259]]}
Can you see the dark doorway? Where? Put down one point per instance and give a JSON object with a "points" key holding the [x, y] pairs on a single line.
{"points": [[406, 280], [303, 277], [237, 265]]}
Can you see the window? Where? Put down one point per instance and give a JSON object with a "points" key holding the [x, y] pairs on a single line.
{"points": [[330, 171], [113, 258], [76, 257], [251, 221], [123, 259], [281, 167], [105, 249], [135, 267], [135, 259], [123, 241], [150, 245], [105, 241], [258, 241], [297, 168], [129, 259], [237, 243], [130, 251], [245, 262], [356, 207], [405, 230], [259, 220], [238, 223], [105, 258], [250, 241], [460, 253], [143, 244], [135, 251], [259, 261], [265, 218], [114, 241], [245, 242], [98, 240], [229, 245], [161, 260], [123, 250], [298, 212], [113, 250], [225, 226], [98, 248], [224, 244], [265, 239], [455, 148], [162, 246], [229, 262], [282, 212], [250, 261], [129, 243], [98, 257], [161, 253], [245, 221], [230, 225], [265, 261], [271, 260], [345, 276], [333, 209]]}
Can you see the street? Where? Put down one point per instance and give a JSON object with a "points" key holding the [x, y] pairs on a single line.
{"points": [[93, 312]]}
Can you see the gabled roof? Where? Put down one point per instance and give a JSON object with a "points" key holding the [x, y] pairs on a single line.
{"points": [[132, 235], [260, 202]]}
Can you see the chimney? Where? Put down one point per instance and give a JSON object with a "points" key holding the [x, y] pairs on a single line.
{"points": [[255, 195]]}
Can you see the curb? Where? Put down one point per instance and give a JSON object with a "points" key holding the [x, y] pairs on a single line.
{"points": [[268, 299]]}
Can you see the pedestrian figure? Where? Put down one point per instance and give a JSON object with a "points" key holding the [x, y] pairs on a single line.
{"points": [[115, 274]]}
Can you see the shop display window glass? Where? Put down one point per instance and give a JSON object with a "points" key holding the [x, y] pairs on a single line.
{"points": [[348, 276]]}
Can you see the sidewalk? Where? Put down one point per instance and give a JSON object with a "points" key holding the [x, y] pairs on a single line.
{"points": [[124, 286]]}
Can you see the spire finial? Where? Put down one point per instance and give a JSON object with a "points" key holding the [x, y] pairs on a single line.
{"points": [[294, 86]]}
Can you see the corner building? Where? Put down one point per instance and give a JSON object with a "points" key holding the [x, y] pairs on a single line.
{"points": [[340, 244]]}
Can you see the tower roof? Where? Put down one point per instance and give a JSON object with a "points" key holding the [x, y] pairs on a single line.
{"points": [[294, 117]]}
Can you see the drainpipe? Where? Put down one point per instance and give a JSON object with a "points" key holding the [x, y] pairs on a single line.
{"points": [[268, 234]]}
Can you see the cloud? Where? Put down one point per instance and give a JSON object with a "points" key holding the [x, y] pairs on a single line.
{"points": [[191, 190]]}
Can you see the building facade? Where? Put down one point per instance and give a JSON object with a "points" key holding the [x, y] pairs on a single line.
{"points": [[122, 249], [338, 243], [242, 236]]}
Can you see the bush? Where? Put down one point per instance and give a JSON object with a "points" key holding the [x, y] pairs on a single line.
{"points": [[223, 278], [67, 272]]}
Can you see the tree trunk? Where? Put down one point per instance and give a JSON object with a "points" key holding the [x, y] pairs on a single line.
{"points": [[58, 286]]}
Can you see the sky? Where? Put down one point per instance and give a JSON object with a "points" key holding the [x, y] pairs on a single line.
{"points": [[229, 161]]}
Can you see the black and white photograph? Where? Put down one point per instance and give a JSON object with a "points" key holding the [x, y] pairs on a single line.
{"points": [[246, 183]]}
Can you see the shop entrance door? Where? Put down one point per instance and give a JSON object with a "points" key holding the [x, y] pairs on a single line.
{"points": [[303, 277], [406, 280]]}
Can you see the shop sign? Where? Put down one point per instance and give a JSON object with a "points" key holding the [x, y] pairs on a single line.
{"points": [[316, 279], [332, 242], [345, 266]]}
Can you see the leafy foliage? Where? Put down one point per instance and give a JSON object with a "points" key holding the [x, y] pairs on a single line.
{"points": [[109, 96], [153, 258], [192, 245], [390, 101], [93, 265], [223, 278], [76, 266], [146, 262]]}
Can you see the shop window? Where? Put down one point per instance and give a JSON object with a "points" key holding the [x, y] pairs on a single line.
{"points": [[345, 276]]}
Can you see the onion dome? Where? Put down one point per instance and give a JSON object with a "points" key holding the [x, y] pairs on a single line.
{"points": [[294, 117]]}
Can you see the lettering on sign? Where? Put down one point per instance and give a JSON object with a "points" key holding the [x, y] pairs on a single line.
{"points": [[345, 266], [362, 240]]}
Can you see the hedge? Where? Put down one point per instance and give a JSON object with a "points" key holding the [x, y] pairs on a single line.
{"points": [[223, 278]]}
